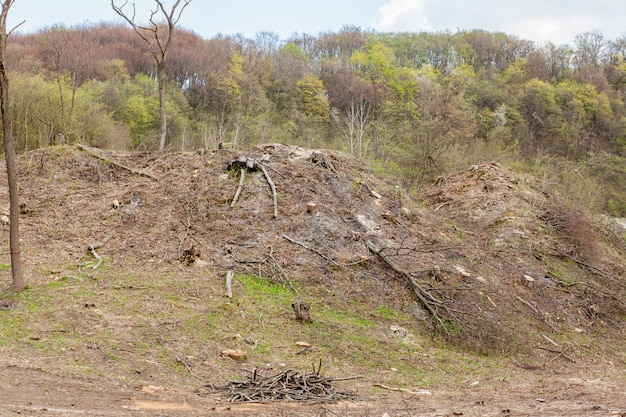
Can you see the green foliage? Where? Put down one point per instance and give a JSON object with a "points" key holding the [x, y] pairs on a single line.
{"points": [[428, 103], [314, 99]]}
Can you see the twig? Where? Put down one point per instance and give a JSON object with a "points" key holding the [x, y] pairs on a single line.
{"points": [[242, 177], [273, 187], [117, 164], [92, 249], [188, 368], [281, 271], [537, 312], [401, 389], [311, 249], [550, 340]]}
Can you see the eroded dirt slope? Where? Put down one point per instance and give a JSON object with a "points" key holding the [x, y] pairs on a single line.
{"points": [[488, 246]]}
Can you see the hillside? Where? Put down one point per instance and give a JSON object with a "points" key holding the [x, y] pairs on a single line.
{"points": [[404, 291]]}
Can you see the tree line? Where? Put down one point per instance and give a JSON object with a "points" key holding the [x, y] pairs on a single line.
{"points": [[416, 104]]}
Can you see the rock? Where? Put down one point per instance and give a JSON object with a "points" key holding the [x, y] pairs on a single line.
{"points": [[398, 331], [4, 220], [201, 263]]}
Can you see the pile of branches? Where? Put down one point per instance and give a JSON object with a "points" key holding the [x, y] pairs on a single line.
{"points": [[289, 385]]}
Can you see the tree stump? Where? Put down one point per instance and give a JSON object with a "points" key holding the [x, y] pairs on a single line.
{"points": [[301, 308]]}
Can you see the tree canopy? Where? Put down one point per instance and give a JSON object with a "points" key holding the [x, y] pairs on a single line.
{"points": [[416, 104]]}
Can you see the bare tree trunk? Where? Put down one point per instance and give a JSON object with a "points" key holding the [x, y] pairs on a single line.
{"points": [[162, 107], [158, 37], [9, 149]]}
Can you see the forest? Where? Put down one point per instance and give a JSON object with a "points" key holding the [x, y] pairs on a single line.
{"points": [[415, 105]]}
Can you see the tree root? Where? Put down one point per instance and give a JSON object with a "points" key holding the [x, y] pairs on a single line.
{"points": [[92, 249], [242, 178], [244, 163]]}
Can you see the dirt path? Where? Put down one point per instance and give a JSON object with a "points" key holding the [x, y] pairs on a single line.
{"points": [[35, 392]]}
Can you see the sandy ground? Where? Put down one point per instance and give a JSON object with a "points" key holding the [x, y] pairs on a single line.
{"points": [[36, 392]]}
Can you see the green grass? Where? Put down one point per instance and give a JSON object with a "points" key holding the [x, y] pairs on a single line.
{"points": [[113, 324]]}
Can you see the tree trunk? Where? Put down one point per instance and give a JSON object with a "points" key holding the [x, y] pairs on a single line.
{"points": [[302, 308], [9, 149], [162, 108]]}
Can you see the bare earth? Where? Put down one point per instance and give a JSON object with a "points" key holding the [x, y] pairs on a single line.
{"points": [[34, 392], [486, 241]]}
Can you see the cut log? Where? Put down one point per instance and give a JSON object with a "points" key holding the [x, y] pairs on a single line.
{"points": [[229, 284]]}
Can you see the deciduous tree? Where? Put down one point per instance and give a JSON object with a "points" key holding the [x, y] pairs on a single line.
{"points": [[159, 37], [9, 150]]}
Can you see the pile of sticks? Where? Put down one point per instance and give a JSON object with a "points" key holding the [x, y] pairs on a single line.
{"points": [[289, 385]]}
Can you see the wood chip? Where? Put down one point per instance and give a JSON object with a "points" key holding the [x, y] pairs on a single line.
{"points": [[236, 354]]}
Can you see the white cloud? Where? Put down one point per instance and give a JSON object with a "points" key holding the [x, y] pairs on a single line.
{"points": [[559, 31], [402, 15]]}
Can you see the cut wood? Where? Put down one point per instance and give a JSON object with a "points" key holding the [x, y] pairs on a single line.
{"points": [[229, 284], [235, 354]]}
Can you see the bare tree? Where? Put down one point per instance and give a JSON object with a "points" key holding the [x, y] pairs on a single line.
{"points": [[9, 150], [158, 36], [354, 125]]}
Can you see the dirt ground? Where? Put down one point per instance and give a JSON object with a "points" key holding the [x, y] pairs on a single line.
{"points": [[34, 392], [513, 270]]}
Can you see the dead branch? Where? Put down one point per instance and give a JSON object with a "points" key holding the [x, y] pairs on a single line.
{"points": [[595, 269], [560, 353], [538, 312], [180, 245], [401, 389], [426, 298], [269, 262], [95, 154], [273, 187], [242, 178], [281, 271], [178, 359], [289, 385], [92, 249], [311, 249]]}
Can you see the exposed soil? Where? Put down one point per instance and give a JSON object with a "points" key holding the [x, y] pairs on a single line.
{"points": [[511, 272]]}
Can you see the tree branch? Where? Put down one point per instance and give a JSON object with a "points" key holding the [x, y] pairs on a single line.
{"points": [[109, 161], [428, 300]]}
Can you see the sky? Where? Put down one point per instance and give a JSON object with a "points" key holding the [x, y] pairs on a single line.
{"points": [[557, 21]]}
